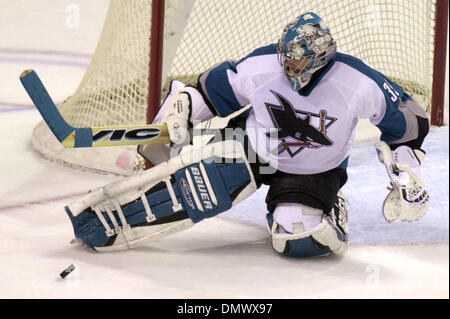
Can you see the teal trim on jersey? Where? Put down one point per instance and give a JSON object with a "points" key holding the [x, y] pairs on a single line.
{"points": [[266, 50], [407, 97], [393, 124], [344, 164], [315, 79], [220, 92]]}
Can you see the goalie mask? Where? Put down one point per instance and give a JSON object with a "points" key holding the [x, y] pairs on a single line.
{"points": [[305, 46]]}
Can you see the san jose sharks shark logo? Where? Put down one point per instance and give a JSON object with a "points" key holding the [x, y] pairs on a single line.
{"points": [[295, 128]]}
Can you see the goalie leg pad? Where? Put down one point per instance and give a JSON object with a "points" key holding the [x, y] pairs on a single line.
{"points": [[197, 184], [330, 236], [209, 188]]}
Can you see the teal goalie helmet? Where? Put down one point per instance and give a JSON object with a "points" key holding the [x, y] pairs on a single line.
{"points": [[305, 46]]}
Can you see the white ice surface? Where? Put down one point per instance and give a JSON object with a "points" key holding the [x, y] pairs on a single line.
{"points": [[225, 257]]}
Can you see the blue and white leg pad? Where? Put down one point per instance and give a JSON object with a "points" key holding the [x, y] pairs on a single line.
{"points": [[199, 183], [330, 236], [209, 189]]}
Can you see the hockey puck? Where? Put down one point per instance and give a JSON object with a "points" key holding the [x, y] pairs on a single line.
{"points": [[67, 271]]}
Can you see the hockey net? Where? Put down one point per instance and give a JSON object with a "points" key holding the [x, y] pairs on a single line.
{"points": [[394, 36]]}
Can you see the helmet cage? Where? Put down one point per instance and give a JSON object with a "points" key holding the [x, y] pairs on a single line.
{"points": [[295, 60], [304, 48]]}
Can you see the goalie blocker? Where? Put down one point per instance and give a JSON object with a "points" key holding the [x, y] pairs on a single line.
{"points": [[199, 183]]}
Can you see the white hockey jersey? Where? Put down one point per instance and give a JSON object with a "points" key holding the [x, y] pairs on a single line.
{"points": [[308, 131]]}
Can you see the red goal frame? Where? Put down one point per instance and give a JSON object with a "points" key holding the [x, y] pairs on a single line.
{"points": [[439, 61]]}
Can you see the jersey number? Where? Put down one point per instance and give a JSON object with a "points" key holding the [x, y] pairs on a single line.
{"points": [[394, 94]]}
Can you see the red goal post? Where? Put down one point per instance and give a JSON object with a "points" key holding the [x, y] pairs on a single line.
{"points": [[439, 63]]}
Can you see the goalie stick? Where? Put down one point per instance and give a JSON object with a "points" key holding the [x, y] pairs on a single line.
{"points": [[74, 137]]}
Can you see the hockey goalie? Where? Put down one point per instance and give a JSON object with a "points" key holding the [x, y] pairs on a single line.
{"points": [[291, 110]]}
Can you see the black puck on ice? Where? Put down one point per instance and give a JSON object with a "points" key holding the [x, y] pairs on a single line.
{"points": [[67, 271]]}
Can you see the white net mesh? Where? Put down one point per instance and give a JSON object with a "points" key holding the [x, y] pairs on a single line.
{"points": [[394, 36], [114, 88]]}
